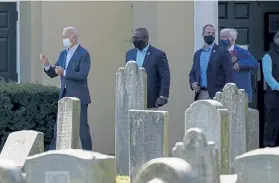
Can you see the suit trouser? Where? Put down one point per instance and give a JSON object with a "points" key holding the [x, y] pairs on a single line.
{"points": [[203, 95], [84, 131], [271, 126]]}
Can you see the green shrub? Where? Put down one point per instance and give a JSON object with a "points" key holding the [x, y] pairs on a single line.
{"points": [[27, 107]]}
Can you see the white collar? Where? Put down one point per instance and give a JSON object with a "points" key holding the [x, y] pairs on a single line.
{"points": [[231, 48], [73, 49]]}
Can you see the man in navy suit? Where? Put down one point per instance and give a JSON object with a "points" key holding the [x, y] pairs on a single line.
{"points": [[156, 65], [212, 67], [243, 62], [73, 66]]}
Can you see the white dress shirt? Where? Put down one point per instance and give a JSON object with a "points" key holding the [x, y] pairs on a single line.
{"points": [[231, 48]]}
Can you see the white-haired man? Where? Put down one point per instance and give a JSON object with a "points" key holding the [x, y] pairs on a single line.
{"points": [[73, 66], [243, 62]]}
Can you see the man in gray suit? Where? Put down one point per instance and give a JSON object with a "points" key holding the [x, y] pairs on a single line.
{"points": [[73, 66]]}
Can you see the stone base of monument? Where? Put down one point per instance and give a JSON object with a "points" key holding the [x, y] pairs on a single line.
{"points": [[228, 178]]}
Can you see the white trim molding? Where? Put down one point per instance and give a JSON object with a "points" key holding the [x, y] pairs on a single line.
{"points": [[205, 12], [18, 41]]}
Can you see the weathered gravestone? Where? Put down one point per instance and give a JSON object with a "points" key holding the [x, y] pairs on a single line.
{"points": [[148, 137], [10, 172], [166, 170], [213, 119], [21, 144], [253, 130], [244, 122], [258, 166], [130, 94], [236, 101], [68, 123], [70, 166], [200, 154]]}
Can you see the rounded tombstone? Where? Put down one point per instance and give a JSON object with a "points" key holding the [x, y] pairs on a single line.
{"points": [[167, 170]]}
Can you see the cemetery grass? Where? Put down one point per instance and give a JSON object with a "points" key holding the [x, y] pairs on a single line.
{"points": [[122, 179]]}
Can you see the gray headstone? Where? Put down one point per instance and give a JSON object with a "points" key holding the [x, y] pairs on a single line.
{"points": [[236, 101], [156, 181], [68, 123], [253, 131], [148, 137], [10, 172], [70, 166], [166, 170], [200, 154], [130, 94], [21, 144], [258, 166], [228, 178], [213, 119]]}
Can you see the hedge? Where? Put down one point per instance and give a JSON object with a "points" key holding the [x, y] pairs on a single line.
{"points": [[27, 107]]}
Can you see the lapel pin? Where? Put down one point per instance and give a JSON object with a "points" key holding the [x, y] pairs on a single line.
{"points": [[148, 53], [213, 51]]}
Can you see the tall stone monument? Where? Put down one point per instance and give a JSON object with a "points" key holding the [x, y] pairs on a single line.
{"points": [[130, 94], [68, 123]]}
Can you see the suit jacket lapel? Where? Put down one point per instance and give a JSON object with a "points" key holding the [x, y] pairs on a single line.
{"points": [[147, 56], [134, 56], [212, 55], [198, 60], [73, 57]]}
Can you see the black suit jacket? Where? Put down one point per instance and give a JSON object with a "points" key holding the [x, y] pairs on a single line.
{"points": [[219, 70], [158, 73]]}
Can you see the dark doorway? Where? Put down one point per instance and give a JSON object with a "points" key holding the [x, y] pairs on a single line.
{"points": [[8, 19], [248, 18]]}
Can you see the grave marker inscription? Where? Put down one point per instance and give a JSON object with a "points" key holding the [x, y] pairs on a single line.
{"points": [[21, 144]]}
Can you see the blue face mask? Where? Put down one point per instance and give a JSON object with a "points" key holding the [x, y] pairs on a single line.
{"points": [[225, 43]]}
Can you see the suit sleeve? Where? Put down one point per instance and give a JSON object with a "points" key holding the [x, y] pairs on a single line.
{"points": [[164, 74], [227, 66], [192, 73], [267, 72], [84, 68], [248, 62], [126, 57], [51, 71]]}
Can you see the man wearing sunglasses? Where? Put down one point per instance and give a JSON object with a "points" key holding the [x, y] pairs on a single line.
{"points": [[156, 65]]}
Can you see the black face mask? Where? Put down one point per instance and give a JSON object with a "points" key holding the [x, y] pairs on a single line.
{"points": [[209, 39], [139, 44]]}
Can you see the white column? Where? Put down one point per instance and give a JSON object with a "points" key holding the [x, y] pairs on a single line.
{"points": [[18, 42], [205, 12]]}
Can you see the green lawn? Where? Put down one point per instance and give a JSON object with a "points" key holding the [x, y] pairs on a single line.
{"points": [[122, 179]]}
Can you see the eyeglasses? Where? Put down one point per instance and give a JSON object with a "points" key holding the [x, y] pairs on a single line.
{"points": [[138, 38]]}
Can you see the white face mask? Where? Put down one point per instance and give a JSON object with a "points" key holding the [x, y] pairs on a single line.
{"points": [[67, 43]]}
